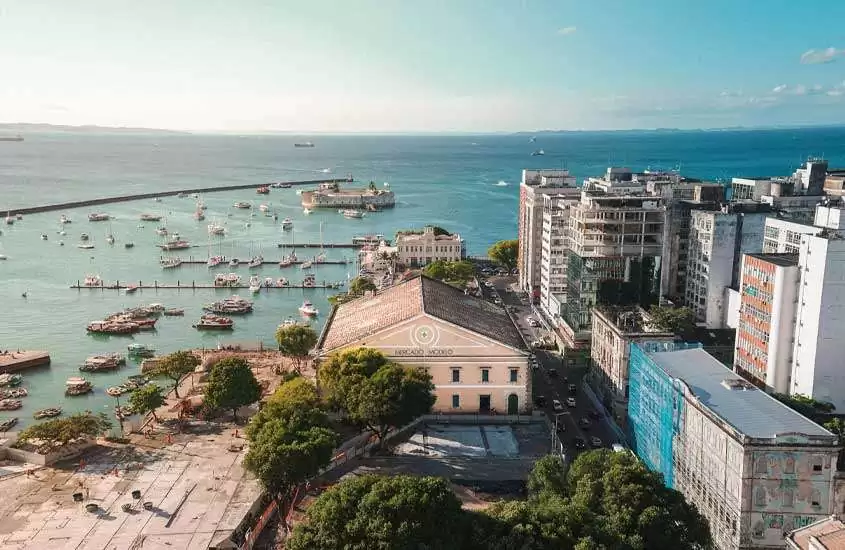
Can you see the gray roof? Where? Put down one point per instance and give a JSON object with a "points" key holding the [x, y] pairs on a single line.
{"points": [[783, 260], [365, 316], [751, 411]]}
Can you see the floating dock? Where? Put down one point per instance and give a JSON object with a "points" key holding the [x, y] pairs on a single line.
{"points": [[11, 361], [319, 245], [267, 262]]}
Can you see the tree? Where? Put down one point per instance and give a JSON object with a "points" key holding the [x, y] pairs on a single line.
{"points": [[231, 385], [401, 512], [175, 366], [837, 427], [360, 285], [296, 403], [281, 457], [146, 399], [375, 392], [61, 431], [504, 253], [816, 411], [296, 341], [548, 476], [456, 272], [678, 320]]}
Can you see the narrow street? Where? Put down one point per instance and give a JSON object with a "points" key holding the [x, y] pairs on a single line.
{"points": [[551, 380]]}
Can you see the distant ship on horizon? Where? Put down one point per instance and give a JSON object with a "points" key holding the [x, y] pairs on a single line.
{"points": [[305, 144], [11, 138]]}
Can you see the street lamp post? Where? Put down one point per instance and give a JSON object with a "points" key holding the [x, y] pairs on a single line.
{"points": [[555, 438]]}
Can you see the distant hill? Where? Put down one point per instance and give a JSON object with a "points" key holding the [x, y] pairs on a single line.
{"points": [[25, 127]]}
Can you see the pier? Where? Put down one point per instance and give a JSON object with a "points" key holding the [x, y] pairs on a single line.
{"points": [[192, 261], [319, 245], [159, 194], [193, 285], [11, 361]]}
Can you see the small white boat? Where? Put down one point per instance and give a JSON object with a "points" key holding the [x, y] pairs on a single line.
{"points": [[93, 280], [161, 231], [44, 236], [287, 223], [234, 262], [150, 217], [281, 282], [351, 213], [256, 261], [263, 207], [307, 264], [98, 217], [254, 284], [307, 308], [216, 229], [3, 257], [243, 205], [214, 261], [110, 238], [83, 237], [62, 233], [306, 211], [170, 263], [85, 246], [538, 153], [199, 215], [64, 219], [269, 282]]}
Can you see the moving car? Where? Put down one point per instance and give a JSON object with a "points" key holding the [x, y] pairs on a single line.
{"points": [[585, 423], [579, 443], [572, 389], [553, 373], [570, 402], [556, 406], [595, 442]]}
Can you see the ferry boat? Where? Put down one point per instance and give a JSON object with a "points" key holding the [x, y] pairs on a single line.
{"points": [[170, 263], [307, 308], [150, 217], [140, 350], [242, 205], [263, 190], [351, 213], [216, 229], [232, 305], [64, 219], [76, 385], [307, 264], [214, 261], [306, 144], [99, 363], [214, 322], [254, 284], [98, 217], [287, 224], [93, 280], [112, 327], [175, 244]]}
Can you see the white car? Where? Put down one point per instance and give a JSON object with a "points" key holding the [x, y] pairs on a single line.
{"points": [[556, 406], [570, 402]]}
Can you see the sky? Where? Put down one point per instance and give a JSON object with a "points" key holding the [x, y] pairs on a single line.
{"points": [[430, 66]]}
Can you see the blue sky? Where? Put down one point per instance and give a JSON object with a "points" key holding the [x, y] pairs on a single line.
{"points": [[437, 65]]}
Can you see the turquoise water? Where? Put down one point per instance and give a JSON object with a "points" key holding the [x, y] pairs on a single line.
{"points": [[468, 184]]}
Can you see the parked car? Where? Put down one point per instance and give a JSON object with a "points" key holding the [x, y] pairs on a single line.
{"points": [[570, 402], [579, 443], [595, 442], [553, 373], [556, 405], [572, 389]]}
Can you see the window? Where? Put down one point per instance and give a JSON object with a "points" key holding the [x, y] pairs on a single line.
{"points": [[787, 497], [456, 375], [817, 464], [760, 496], [485, 375], [514, 375], [456, 401], [790, 465], [761, 466], [815, 500]]}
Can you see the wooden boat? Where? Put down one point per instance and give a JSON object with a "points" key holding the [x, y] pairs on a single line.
{"points": [[76, 385], [8, 424], [13, 393], [10, 379], [140, 350], [174, 312], [99, 363], [10, 404], [214, 322], [49, 412]]}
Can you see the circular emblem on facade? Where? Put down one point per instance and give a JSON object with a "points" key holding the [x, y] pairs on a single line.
{"points": [[424, 335]]}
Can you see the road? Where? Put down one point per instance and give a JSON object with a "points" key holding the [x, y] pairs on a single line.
{"points": [[554, 386]]}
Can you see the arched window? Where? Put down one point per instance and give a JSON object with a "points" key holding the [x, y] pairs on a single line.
{"points": [[790, 465], [760, 496], [761, 466]]}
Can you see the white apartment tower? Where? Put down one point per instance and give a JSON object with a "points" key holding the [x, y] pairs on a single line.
{"points": [[553, 257], [534, 186]]}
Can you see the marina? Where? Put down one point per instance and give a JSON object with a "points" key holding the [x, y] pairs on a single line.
{"points": [[200, 286]]}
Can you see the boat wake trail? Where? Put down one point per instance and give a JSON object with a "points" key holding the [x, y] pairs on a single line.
{"points": [[501, 183]]}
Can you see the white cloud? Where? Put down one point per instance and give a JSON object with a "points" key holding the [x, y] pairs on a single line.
{"points": [[779, 89], [811, 57], [565, 31], [835, 93]]}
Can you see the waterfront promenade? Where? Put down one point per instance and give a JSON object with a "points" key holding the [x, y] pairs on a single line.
{"points": [[159, 194]]}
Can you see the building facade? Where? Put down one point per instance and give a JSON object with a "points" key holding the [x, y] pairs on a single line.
{"points": [[613, 330], [817, 368], [420, 248], [768, 292], [784, 236], [753, 467], [475, 355], [534, 186], [553, 253], [716, 244]]}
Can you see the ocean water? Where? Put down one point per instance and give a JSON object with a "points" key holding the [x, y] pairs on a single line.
{"points": [[468, 184]]}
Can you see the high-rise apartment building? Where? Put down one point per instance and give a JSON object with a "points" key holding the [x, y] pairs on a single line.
{"points": [[716, 243], [553, 255], [534, 186], [615, 243], [784, 236], [768, 292], [753, 467]]}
